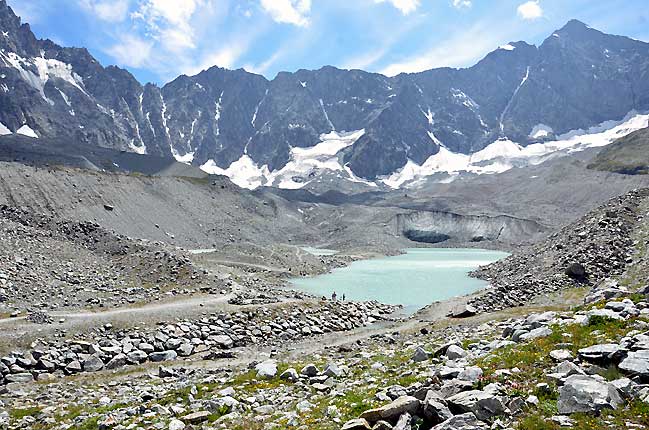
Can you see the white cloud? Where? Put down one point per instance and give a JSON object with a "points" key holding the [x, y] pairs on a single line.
{"points": [[405, 6], [462, 4], [225, 57], [169, 21], [131, 51], [262, 68], [294, 12], [107, 10], [363, 61], [460, 50], [530, 10]]}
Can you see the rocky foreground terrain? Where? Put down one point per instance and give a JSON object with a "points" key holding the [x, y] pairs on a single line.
{"points": [[577, 357]]}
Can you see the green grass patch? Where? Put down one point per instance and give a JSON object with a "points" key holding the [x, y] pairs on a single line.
{"points": [[20, 413]]}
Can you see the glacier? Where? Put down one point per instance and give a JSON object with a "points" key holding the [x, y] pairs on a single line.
{"points": [[304, 162]]}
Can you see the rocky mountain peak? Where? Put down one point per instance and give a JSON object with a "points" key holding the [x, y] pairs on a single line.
{"points": [[578, 78]]}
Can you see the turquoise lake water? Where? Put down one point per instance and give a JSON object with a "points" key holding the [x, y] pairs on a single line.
{"points": [[415, 279]]}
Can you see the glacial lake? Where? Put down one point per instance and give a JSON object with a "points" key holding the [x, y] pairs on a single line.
{"points": [[414, 279]]}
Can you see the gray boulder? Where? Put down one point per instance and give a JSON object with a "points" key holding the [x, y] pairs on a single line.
{"points": [[536, 334], [136, 356], [310, 370], [465, 311], [358, 424], [290, 375], [602, 354], [576, 271], [435, 409], [472, 374], [266, 369], [332, 370], [604, 313], [116, 362], [93, 364], [454, 352], [420, 355], [165, 372], [636, 364], [404, 422], [626, 387], [560, 355], [393, 410], [582, 393], [223, 341], [163, 356], [73, 367], [20, 377], [466, 421], [484, 405]]}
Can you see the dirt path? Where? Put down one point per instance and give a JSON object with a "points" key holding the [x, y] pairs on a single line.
{"points": [[253, 265]]}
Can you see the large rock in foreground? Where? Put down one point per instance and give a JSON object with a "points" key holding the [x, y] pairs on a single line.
{"points": [[637, 364], [466, 421], [586, 394], [393, 410], [484, 405]]}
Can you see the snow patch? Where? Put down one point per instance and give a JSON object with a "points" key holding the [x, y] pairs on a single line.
{"points": [[501, 148], [4, 130], [243, 172], [429, 116], [511, 100], [187, 158], [326, 115], [39, 70], [217, 113], [508, 47], [25, 130], [541, 131], [65, 98], [303, 162]]}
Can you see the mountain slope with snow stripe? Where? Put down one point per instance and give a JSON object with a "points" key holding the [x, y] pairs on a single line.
{"points": [[306, 165]]}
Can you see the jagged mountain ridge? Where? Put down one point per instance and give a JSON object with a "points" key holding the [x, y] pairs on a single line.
{"points": [[577, 78]]}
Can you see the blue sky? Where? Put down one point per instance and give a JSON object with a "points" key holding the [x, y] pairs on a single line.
{"points": [[158, 40]]}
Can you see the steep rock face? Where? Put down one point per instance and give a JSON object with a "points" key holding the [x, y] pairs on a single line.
{"points": [[578, 77], [436, 227], [582, 77], [59, 91]]}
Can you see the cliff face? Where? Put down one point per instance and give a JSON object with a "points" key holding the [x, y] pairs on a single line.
{"points": [[436, 227]]}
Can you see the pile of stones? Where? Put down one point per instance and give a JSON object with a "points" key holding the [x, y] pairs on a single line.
{"points": [[203, 338]]}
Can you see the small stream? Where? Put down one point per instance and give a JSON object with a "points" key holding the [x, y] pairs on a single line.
{"points": [[414, 279]]}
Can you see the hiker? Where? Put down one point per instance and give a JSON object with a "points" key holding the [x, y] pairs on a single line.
{"points": [[334, 296], [343, 297]]}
